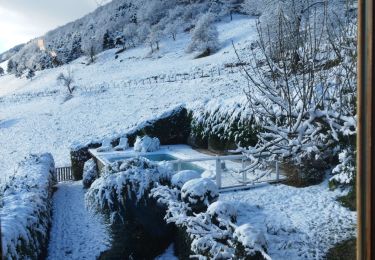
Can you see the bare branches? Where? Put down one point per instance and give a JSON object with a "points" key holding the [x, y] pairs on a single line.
{"points": [[66, 80], [301, 85]]}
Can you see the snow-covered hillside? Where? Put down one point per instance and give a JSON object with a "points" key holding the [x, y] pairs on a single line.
{"points": [[113, 94]]}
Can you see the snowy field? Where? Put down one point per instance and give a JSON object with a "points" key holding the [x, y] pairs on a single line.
{"points": [[111, 96]]}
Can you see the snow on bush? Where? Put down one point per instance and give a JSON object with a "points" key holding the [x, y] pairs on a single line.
{"points": [[252, 239], [130, 179], [146, 144], [90, 173], [199, 193], [26, 201], [222, 210], [345, 170], [230, 119], [211, 233], [180, 178]]}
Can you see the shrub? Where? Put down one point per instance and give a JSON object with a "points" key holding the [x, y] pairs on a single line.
{"points": [[146, 144], [180, 178], [90, 173], [122, 181], [26, 208], [199, 193]]}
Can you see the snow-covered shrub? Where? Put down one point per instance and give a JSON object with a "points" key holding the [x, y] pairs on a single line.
{"points": [[181, 177], [211, 234], [90, 173], [222, 210], [146, 144], [25, 209], [344, 172], [125, 180], [204, 37], [251, 241], [199, 193]]}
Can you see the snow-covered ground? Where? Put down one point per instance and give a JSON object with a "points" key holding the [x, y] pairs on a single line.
{"points": [[76, 233], [111, 94], [299, 223]]}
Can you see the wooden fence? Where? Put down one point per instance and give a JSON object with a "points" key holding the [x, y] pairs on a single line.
{"points": [[64, 173]]}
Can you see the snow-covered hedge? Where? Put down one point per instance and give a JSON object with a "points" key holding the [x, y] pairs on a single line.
{"points": [[211, 234], [90, 173], [171, 127], [25, 209], [130, 179], [223, 124]]}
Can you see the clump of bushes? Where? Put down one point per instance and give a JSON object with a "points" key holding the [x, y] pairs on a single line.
{"points": [[207, 228], [122, 181], [26, 203]]}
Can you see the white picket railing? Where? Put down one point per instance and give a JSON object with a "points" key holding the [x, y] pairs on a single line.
{"points": [[219, 169]]}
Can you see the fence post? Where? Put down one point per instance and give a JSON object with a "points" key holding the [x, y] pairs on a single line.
{"points": [[218, 172], [244, 174], [277, 171]]}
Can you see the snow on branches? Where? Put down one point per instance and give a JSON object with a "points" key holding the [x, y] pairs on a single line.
{"points": [[304, 91], [213, 232]]}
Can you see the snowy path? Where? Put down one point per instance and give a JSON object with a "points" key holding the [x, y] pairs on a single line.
{"points": [[75, 233]]}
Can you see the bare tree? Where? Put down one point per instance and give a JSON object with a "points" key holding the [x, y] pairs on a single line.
{"points": [[302, 91], [91, 48], [67, 80]]}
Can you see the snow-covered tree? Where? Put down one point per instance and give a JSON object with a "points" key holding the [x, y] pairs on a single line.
{"points": [[1, 71], [205, 35], [91, 48], [155, 36], [152, 12], [30, 74], [130, 33], [173, 27], [143, 32], [10, 66], [304, 96], [108, 42]]}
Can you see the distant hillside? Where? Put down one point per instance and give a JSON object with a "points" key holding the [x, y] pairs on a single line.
{"points": [[123, 23], [9, 53]]}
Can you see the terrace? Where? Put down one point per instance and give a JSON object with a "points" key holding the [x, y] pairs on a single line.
{"points": [[229, 171]]}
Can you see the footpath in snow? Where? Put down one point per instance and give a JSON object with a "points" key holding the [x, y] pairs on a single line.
{"points": [[76, 233]]}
